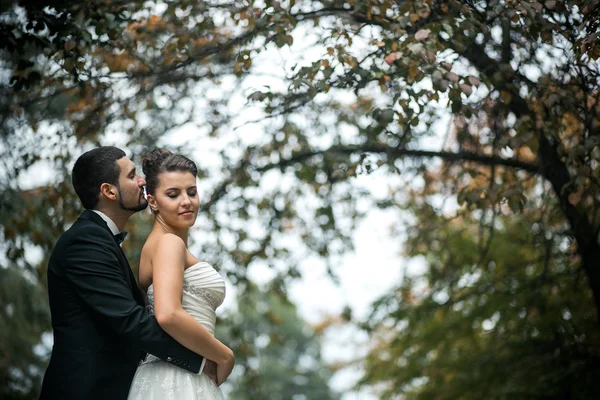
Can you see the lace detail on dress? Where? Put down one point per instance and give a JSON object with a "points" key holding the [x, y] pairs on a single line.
{"points": [[168, 386], [141, 385], [150, 300], [212, 299]]}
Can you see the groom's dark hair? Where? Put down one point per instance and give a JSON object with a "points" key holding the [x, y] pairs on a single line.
{"points": [[92, 169]]}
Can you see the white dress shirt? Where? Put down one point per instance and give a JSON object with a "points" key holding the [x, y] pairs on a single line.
{"points": [[111, 225]]}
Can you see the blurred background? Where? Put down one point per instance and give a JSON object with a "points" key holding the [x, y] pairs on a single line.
{"points": [[403, 196]]}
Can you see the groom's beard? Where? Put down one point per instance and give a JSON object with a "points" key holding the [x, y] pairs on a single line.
{"points": [[142, 203]]}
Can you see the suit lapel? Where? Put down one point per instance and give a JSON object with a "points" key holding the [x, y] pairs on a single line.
{"points": [[128, 274]]}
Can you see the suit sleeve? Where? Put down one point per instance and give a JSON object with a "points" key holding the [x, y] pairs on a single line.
{"points": [[93, 269]]}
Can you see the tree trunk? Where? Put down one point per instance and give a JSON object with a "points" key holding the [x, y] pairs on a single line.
{"points": [[556, 172], [552, 168]]}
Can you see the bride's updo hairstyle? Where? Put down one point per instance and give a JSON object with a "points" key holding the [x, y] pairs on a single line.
{"points": [[160, 160]]}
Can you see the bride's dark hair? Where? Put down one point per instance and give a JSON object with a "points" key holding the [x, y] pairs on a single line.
{"points": [[160, 160]]}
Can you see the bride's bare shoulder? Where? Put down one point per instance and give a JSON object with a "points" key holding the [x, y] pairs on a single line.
{"points": [[167, 243], [161, 241]]}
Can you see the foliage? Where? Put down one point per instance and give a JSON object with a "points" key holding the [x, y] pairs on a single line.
{"points": [[279, 354], [506, 317], [363, 88], [24, 313], [21, 364]]}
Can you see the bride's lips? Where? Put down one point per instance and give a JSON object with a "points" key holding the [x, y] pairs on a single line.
{"points": [[186, 213]]}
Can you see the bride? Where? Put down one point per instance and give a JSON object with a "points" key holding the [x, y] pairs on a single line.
{"points": [[182, 292]]}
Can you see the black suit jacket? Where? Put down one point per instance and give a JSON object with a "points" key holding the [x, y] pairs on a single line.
{"points": [[100, 325]]}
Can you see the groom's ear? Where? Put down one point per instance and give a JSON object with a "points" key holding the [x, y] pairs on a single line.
{"points": [[109, 191]]}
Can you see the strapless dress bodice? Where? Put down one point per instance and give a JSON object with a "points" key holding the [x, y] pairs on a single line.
{"points": [[203, 293]]}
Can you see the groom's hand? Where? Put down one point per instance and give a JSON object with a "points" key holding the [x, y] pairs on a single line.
{"points": [[210, 369]]}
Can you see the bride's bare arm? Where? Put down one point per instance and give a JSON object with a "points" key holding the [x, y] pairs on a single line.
{"points": [[167, 278]]}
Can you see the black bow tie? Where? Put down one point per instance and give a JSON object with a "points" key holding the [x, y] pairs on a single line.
{"points": [[119, 237]]}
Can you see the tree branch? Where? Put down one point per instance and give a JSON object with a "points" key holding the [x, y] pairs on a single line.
{"points": [[393, 152], [551, 166], [396, 153]]}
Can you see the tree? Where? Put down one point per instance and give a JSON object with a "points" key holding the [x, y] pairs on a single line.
{"points": [[23, 311], [372, 83], [279, 354], [488, 60], [38, 215], [503, 316]]}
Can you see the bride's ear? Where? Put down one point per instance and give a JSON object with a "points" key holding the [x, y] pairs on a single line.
{"points": [[152, 203]]}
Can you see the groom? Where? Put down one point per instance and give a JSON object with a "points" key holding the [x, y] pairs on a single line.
{"points": [[101, 328]]}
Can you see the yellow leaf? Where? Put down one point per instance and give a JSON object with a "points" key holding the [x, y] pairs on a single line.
{"points": [[525, 154], [506, 96], [153, 20], [412, 70]]}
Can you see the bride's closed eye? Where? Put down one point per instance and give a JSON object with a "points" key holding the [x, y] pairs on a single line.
{"points": [[191, 193]]}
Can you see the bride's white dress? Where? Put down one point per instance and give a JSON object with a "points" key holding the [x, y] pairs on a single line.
{"points": [[203, 292]]}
